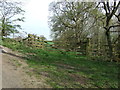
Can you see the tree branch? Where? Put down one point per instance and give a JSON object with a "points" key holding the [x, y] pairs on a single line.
{"points": [[114, 9], [114, 26], [108, 7], [105, 8]]}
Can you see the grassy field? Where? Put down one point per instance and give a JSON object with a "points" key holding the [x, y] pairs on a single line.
{"points": [[66, 69]]}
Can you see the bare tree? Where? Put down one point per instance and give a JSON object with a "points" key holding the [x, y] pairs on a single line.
{"points": [[110, 11]]}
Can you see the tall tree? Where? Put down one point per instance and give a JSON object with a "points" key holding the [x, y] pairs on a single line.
{"points": [[70, 21], [8, 10], [110, 11]]}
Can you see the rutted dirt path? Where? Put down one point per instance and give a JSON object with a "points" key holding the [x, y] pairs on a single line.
{"points": [[14, 70]]}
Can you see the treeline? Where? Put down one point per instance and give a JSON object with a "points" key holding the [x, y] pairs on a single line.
{"points": [[88, 27]]}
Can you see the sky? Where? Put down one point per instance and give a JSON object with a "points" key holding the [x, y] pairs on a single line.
{"points": [[36, 18]]}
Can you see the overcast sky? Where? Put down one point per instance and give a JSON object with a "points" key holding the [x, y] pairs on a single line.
{"points": [[36, 17]]}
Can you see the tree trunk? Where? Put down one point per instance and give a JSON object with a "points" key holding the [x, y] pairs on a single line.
{"points": [[3, 28], [110, 47], [119, 46]]}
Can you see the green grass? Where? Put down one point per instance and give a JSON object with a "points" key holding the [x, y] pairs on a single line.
{"points": [[66, 70]]}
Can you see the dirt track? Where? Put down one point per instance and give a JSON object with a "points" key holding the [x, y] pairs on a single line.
{"points": [[14, 71]]}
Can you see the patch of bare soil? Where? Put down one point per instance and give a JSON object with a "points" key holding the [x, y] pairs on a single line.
{"points": [[79, 78], [15, 72]]}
